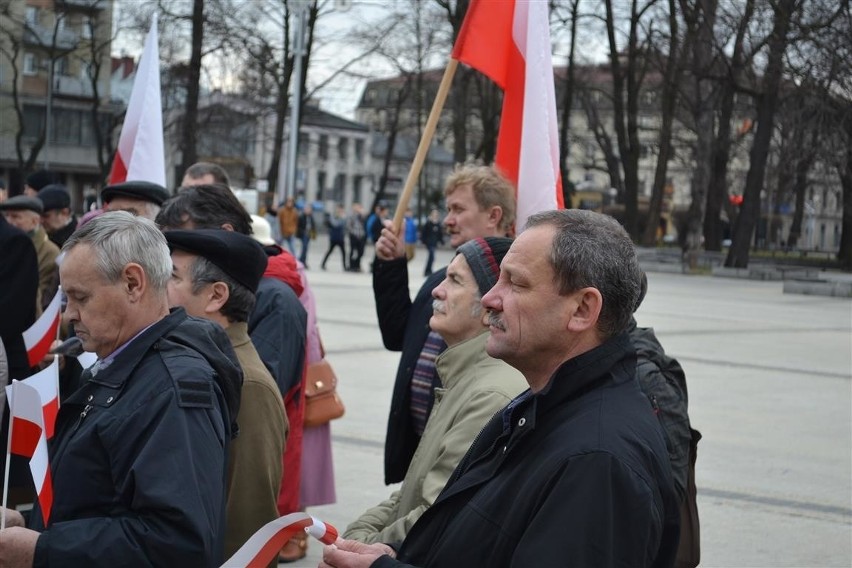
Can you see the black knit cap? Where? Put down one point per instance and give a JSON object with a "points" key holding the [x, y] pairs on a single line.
{"points": [[237, 255], [22, 202], [484, 256], [142, 190]]}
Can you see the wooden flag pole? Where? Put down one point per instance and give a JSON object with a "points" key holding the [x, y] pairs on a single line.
{"points": [[8, 457], [425, 142]]}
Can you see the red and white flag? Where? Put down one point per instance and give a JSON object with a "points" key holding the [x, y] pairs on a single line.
{"points": [[259, 550], [140, 155], [46, 383], [41, 334], [509, 41], [27, 438]]}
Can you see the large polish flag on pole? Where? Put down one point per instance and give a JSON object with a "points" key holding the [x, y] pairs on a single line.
{"points": [[39, 336], [140, 155], [27, 438], [509, 41]]}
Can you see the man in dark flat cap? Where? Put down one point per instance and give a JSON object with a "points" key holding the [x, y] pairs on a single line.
{"points": [[25, 212], [141, 198], [57, 218], [215, 276], [38, 180]]}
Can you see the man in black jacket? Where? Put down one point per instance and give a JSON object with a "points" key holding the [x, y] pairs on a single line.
{"points": [[574, 471], [139, 453], [480, 203]]}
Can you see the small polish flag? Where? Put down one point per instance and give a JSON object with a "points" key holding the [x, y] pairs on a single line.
{"points": [[262, 546], [27, 438], [41, 334], [45, 382]]}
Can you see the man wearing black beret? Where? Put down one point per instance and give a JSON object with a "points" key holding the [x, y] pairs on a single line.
{"points": [[57, 218], [25, 212], [141, 198], [38, 180], [215, 276]]}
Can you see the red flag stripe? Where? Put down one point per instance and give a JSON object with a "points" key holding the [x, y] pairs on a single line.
{"points": [[118, 173], [37, 352], [25, 437]]}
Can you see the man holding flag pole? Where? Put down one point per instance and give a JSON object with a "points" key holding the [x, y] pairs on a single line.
{"points": [[509, 42]]}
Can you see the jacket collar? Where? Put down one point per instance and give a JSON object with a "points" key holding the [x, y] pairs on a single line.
{"points": [[238, 334], [453, 361], [115, 375]]}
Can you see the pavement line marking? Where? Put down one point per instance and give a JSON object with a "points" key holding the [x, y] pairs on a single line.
{"points": [[776, 502], [354, 323], [356, 350], [717, 362]]}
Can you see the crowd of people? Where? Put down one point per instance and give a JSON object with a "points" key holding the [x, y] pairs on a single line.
{"points": [[532, 422]]}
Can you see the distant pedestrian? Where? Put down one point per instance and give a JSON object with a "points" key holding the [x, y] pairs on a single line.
{"points": [[410, 234], [357, 232], [306, 230], [336, 224], [288, 222], [431, 235]]}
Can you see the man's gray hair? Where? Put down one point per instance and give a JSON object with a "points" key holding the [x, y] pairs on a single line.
{"points": [[241, 300], [119, 238], [593, 250]]}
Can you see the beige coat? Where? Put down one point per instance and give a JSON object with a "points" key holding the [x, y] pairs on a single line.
{"points": [[254, 458], [48, 270], [475, 387]]}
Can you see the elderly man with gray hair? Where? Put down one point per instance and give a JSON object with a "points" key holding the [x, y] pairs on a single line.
{"points": [[139, 453]]}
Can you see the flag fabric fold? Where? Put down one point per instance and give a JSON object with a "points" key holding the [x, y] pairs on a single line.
{"points": [[42, 333], [27, 439], [140, 155], [259, 550], [46, 384], [509, 41]]}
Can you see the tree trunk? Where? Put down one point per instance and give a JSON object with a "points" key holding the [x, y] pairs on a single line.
{"points": [[671, 83], [717, 189], [738, 255], [567, 104], [189, 153], [844, 255]]}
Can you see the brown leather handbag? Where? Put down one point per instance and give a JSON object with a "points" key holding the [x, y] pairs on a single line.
{"points": [[322, 404]]}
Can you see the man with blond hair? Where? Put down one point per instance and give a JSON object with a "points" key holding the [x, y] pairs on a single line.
{"points": [[480, 203]]}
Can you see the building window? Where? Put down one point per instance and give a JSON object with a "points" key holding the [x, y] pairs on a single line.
{"points": [[323, 147], [33, 121], [303, 144], [339, 186], [342, 148], [320, 185], [32, 16], [357, 182], [359, 149], [63, 67], [30, 64], [86, 27]]}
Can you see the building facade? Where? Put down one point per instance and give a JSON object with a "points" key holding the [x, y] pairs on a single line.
{"points": [[54, 81]]}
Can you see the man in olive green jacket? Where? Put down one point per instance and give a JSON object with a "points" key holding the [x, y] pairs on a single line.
{"points": [[473, 387], [215, 275]]}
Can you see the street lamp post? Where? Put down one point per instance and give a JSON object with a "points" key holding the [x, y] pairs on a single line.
{"points": [[289, 189]]}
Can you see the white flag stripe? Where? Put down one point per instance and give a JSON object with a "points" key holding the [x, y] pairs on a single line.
{"points": [[538, 171], [36, 332], [141, 142], [87, 359]]}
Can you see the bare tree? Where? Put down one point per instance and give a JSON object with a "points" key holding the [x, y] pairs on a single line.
{"points": [[628, 71], [571, 20]]}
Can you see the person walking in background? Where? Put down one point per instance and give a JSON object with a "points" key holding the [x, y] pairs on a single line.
{"points": [[306, 230], [336, 227], [431, 235], [357, 232], [410, 234], [288, 223]]}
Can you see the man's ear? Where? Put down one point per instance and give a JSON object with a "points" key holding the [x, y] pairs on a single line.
{"points": [[218, 295], [135, 281], [495, 215], [585, 310], [228, 227]]}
